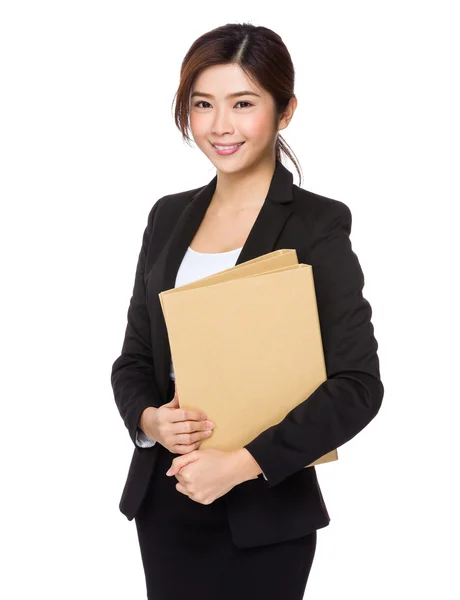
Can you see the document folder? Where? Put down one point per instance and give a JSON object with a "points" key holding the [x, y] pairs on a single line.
{"points": [[246, 346]]}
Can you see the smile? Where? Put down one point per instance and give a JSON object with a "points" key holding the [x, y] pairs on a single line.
{"points": [[227, 149]]}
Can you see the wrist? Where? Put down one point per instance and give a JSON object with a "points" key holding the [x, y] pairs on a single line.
{"points": [[147, 415], [246, 467]]}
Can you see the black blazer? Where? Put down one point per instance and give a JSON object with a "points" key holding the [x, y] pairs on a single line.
{"points": [[289, 504]]}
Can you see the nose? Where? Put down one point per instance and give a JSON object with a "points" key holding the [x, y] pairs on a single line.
{"points": [[221, 123]]}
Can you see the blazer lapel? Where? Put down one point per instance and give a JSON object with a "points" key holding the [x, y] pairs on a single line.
{"points": [[261, 240]]}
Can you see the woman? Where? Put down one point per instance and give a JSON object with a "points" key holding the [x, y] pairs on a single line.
{"points": [[215, 524]]}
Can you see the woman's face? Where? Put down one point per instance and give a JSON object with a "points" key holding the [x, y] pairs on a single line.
{"points": [[218, 118]]}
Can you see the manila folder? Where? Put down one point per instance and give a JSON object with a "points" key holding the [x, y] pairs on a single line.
{"points": [[246, 346]]}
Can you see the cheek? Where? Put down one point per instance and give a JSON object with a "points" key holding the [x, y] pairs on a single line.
{"points": [[259, 126], [198, 125]]}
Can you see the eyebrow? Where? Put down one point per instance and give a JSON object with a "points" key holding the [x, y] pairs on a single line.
{"points": [[233, 95]]}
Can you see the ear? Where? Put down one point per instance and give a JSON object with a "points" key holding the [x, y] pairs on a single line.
{"points": [[288, 113]]}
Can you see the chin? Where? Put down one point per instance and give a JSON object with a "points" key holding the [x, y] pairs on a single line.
{"points": [[228, 168]]}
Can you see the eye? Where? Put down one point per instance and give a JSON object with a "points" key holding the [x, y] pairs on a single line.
{"points": [[240, 102]]}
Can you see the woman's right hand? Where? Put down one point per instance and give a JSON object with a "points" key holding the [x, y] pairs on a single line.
{"points": [[179, 430]]}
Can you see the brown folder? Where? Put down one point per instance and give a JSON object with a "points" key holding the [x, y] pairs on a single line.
{"points": [[246, 346]]}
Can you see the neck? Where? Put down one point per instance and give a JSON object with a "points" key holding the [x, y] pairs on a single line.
{"points": [[244, 189]]}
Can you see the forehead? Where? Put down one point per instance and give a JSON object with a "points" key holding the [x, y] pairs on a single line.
{"points": [[221, 80]]}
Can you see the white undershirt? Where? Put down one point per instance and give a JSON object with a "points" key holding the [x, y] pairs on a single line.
{"points": [[195, 265]]}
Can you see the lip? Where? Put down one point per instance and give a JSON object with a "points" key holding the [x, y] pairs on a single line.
{"points": [[226, 152], [234, 144]]}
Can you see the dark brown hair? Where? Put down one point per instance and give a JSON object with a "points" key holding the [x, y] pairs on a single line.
{"points": [[262, 55]]}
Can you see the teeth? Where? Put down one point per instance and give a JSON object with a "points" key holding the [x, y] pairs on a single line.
{"points": [[226, 147]]}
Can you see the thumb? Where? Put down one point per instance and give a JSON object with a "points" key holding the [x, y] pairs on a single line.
{"points": [[174, 402], [181, 461]]}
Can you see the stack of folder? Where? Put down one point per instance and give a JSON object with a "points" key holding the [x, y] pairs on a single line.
{"points": [[246, 346]]}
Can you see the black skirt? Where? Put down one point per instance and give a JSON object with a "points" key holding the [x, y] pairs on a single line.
{"points": [[188, 552]]}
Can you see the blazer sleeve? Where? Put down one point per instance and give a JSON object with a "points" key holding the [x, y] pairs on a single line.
{"points": [[352, 394], [132, 375]]}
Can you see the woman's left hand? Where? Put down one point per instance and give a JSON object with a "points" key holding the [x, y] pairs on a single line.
{"points": [[205, 475]]}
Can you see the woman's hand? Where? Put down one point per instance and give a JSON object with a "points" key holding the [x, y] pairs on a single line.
{"points": [[205, 475], [180, 430]]}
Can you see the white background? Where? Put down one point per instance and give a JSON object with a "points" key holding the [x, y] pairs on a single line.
{"points": [[88, 145]]}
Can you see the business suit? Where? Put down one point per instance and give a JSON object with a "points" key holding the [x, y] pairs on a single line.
{"points": [[289, 504]]}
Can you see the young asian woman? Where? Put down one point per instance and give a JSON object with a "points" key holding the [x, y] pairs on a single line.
{"points": [[213, 524]]}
